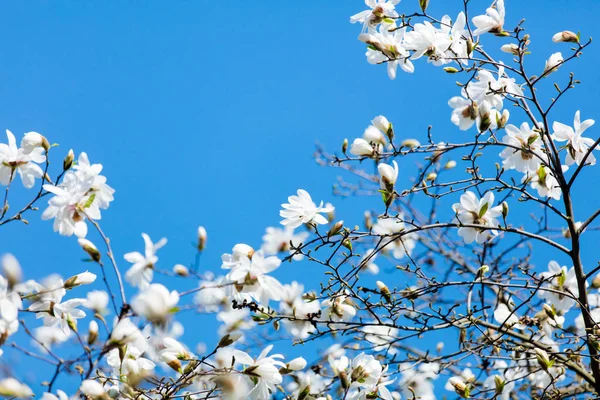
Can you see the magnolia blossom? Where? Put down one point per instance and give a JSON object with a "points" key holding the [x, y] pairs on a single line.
{"points": [[278, 240], [338, 309], [14, 160], [60, 395], [302, 210], [81, 194], [427, 40], [264, 370], [544, 181], [360, 147], [553, 62], [155, 303], [365, 370], [10, 388], [474, 211], [92, 388], [48, 336], [388, 175], [212, 294], [379, 9], [97, 300], [492, 21], [504, 316], [396, 242], [142, 271], [130, 363], [577, 145], [389, 46], [11, 269], [529, 143], [560, 280], [251, 280], [32, 140]]}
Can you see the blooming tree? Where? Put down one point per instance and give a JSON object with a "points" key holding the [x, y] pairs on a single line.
{"points": [[435, 292]]}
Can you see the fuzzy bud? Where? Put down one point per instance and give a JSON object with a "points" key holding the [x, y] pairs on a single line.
{"points": [[92, 332], [543, 359], [450, 164], [181, 270], [85, 278], [385, 291], [335, 228], [510, 48], [229, 339], [201, 238], [411, 143], [345, 145], [11, 269]]}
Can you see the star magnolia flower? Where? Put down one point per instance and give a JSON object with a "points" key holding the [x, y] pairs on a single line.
{"points": [[155, 303], [529, 141], [399, 246], [360, 147], [379, 390], [265, 371], [365, 370], [15, 160], [91, 173], [132, 363], [302, 210], [388, 46], [553, 62], [60, 395], [474, 211], [92, 388], [48, 336], [251, 279], [278, 240], [492, 21], [142, 271], [426, 40], [504, 316], [544, 182], [379, 9], [33, 140], [561, 280], [97, 300], [338, 310], [577, 145]]}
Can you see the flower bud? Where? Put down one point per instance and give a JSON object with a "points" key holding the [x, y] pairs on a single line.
{"points": [[31, 140], [450, 164], [347, 244], [181, 270], [499, 383], [296, 364], [451, 70], [543, 359], [503, 120], [173, 362], [553, 62], [85, 278], [92, 332], [229, 339], [411, 143], [510, 48], [68, 161], [335, 228], [242, 250], [423, 4], [596, 282], [431, 176], [360, 147], [373, 135], [461, 388], [89, 248], [345, 145], [385, 126], [504, 209], [385, 292], [368, 220], [11, 269], [565, 36], [201, 238], [93, 389]]}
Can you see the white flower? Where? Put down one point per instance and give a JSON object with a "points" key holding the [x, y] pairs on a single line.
{"points": [[126, 332], [85, 278], [510, 48], [380, 122], [492, 21], [387, 47], [155, 303], [10, 387], [11, 269], [465, 112], [474, 211], [81, 194], [211, 294], [251, 279], [277, 240], [577, 145], [33, 140], [132, 362], [360, 147], [529, 157], [302, 210], [365, 370], [15, 160], [338, 309], [560, 280], [544, 182], [97, 300], [265, 371], [503, 315], [399, 245], [565, 36], [92, 388], [141, 272], [379, 9], [553, 62], [48, 336], [300, 312], [60, 395], [389, 175], [427, 40], [416, 380], [296, 364]]}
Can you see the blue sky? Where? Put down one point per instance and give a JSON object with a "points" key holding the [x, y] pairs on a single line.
{"points": [[207, 113]]}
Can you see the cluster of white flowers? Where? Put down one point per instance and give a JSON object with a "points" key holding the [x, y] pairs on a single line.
{"points": [[82, 193]]}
